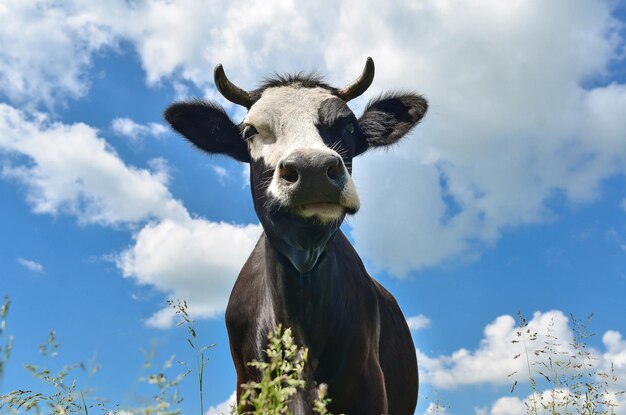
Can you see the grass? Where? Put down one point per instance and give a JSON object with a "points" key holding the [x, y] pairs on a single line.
{"points": [[563, 378], [201, 359], [281, 379], [6, 341]]}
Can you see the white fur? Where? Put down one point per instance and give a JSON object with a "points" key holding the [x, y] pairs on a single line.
{"points": [[324, 212], [285, 119]]}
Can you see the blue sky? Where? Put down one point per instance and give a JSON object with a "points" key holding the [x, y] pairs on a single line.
{"points": [[509, 196]]}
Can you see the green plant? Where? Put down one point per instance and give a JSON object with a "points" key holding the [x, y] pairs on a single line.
{"points": [[436, 404], [181, 309], [281, 378], [168, 397], [6, 341], [563, 378], [59, 395]]}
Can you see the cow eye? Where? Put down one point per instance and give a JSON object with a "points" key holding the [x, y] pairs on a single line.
{"points": [[349, 128], [248, 132]]}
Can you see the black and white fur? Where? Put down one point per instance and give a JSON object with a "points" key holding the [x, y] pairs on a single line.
{"points": [[300, 139]]}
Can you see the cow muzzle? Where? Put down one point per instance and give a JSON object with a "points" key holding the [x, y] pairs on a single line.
{"points": [[314, 184]]}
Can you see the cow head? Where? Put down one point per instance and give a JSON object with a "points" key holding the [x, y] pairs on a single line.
{"points": [[300, 137]]}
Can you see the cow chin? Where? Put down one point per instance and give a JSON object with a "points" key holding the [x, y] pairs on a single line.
{"points": [[323, 212], [321, 206]]}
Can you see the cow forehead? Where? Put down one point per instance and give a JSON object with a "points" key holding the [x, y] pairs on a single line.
{"points": [[286, 118]]}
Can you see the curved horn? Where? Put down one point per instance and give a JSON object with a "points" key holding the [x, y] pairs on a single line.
{"points": [[359, 86], [229, 90]]}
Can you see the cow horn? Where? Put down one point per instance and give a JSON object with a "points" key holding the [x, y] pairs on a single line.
{"points": [[359, 86], [229, 90]]}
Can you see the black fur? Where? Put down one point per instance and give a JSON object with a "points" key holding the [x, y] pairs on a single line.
{"points": [[306, 275], [208, 127], [305, 79], [390, 117]]}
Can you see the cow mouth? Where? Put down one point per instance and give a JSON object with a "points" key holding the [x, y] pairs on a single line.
{"points": [[322, 211]]}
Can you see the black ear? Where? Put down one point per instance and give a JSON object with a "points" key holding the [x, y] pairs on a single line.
{"points": [[388, 118], [208, 127]]}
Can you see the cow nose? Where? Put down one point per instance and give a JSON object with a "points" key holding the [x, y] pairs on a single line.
{"points": [[288, 171], [324, 166]]}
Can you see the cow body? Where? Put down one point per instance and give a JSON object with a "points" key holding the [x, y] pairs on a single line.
{"points": [[300, 138], [352, 326]]}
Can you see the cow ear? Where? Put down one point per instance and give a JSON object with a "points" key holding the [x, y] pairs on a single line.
{"points": [[208, 127], [388, 118]]}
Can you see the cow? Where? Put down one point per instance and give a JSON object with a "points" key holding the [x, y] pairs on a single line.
{"points": [[299, 137]]}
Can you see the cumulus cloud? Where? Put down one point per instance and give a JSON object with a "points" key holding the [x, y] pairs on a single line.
{"points": [[194, 260], [434, 408], [493, 360], [512, 123], [69, 168], [560, 398], [500, 359], [502, 352], [508, 405], [614, 361], [47, 48], [615, 351], [221, 173], [418, 322], [129, 128], [243, 35], [30, 265], [224, 407]]}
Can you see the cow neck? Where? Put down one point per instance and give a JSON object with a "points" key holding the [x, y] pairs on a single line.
{"points": [[301, 244], [305, 301]]}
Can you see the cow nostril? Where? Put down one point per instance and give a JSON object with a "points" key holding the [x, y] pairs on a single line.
{"points": [[288, 173], [333, 172]]}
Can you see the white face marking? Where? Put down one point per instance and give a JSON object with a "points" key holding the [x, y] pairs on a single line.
{"points": [[285, 118]]}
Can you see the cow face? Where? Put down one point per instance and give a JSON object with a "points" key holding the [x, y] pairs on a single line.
{"points": [[299, 137], [301, 144]]}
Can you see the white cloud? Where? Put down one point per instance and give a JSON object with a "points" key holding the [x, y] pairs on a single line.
{"points": [[52, 59], [418, 322], [31, 265], [224, 407], [70, 169], [615, 349], [245, 175], [221, 173], [535, 403], [493, 360], [193, 260], [47, 48], [243, 35], [614, 363], [162, 319], [434, 408], [510, 125], [129, 128], [509, 405]]}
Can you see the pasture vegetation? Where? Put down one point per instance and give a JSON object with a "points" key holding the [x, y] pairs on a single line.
{"points": [[564, 378], [560, 382]]}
